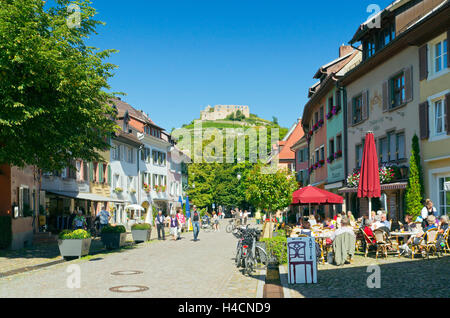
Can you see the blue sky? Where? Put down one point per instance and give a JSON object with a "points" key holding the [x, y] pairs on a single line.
{"points": [[178, 56]]}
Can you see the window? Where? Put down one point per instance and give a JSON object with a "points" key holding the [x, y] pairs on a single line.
{"points": [[357, 109], [440, 118], [300, 155], [338, 143], [317, 155], [401, 146], [392, 146], [321, 113], [330, 104], [444, 197], [383, 150], [440, 56], [322, 153], [316, 117], [331, 147], [398, 90], [359, 154]]}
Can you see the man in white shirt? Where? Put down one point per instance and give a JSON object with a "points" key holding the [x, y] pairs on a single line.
{"points": [[345, 228]]}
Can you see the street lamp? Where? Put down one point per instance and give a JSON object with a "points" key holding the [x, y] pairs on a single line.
{"points": [[239, 177]]}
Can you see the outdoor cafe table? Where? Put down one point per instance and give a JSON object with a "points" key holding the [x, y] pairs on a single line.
{"points": [[403, 234]]}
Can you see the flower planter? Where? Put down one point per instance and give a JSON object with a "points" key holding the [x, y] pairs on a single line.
{"points": [[114, 240], [74, 248], [141, 235]]}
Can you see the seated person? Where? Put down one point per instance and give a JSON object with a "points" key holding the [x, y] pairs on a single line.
{"points": [[368, 231], [351, 217], [345, 228], [312, 220], [417, 238], [385, 221], [409, 225], [380, 224], [443, 225], [327, 224], [306, 229]]}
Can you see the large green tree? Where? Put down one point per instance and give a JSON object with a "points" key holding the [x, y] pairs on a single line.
{"points": [[54, 107], [415, 188], [271, 191]]}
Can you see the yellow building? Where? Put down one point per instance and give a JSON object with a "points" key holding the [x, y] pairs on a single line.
{"points": [[434, 116]]}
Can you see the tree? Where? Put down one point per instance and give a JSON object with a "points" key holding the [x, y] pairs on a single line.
{"points": [[275, 120], [52, 88], [413, 196], [416, 147], [270, 191]]}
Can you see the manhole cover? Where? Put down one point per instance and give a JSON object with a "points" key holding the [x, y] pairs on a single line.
{"points": [[129, 289], [127, 273]]}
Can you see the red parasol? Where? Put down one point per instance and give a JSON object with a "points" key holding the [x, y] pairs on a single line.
{"points": [[369, 180]]}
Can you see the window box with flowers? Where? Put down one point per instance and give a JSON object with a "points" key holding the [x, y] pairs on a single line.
{"points": [[147, 188], [320, 123], [330, 159], [118, 190], [387, 175], [338, 154]]}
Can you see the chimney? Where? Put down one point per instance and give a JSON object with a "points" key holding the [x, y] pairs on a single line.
{"points": [[344, 50]]}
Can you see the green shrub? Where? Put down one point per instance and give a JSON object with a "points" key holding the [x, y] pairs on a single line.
{"points": [[114, 229], [74, 235], [5, 231], [143, 226], [277, 247]]}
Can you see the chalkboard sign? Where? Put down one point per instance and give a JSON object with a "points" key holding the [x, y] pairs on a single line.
{"points": [[302, 261]]}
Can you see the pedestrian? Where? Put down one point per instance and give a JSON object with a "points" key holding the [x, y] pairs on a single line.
{"points": [[246, 213], [71, 218], [174, 226], [79, 222], [104, 218], [215, 220], [181, 221], [159, 223], [196, 223], [258, 216]]}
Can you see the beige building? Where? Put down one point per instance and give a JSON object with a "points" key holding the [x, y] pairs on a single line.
{"points": [[435, 119], [222, 111]]}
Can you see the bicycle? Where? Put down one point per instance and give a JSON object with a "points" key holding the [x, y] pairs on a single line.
{"points": [[248, 252], [232, 226]]}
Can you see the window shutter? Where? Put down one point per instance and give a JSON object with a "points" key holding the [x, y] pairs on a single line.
{"points": [[91, 171], [109, 175], [386, 96], [448, 51], [100, 172], [350, 113], [365, 105], [447, 107], [408, 84], [423, 62], [423, 119]]}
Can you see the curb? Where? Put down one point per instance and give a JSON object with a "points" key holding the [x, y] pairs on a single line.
{"points": [[284, 281], [261, 282]]}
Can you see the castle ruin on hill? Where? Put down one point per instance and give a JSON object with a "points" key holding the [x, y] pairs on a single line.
{"points": [[222, 111]]}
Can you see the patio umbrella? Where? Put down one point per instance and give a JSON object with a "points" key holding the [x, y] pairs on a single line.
{"points": [[313, 195], [369, 179]]}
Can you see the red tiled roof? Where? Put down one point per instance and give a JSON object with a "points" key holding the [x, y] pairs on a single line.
{"points": [[286, 153]]}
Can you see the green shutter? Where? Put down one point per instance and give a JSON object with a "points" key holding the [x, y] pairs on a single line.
{"points": [[91, 171], [109, 175], [100, 172]]}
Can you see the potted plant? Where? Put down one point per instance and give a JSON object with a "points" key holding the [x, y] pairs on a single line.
{"points": [[330, 158], [118, 190], [114, 236], [146, 188], [141, 232], [74, 243]]}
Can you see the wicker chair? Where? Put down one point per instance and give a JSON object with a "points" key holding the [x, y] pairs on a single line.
{"points": [[431, 241], [447, 246], [382, 242]]}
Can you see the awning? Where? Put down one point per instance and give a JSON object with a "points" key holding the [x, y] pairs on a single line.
{"points": [[86, 196], [388, 186]]}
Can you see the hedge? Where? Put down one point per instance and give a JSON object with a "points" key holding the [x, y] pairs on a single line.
{"points": [[5, 231], [277, 247]]}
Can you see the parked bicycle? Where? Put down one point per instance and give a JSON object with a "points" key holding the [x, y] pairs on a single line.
{"points": [[232, 226], [249, 254]]}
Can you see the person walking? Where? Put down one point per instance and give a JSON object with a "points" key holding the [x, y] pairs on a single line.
{"points": [[174, 227], [71, 218], [258, 216], [104, 218], [181, 222], [159, 223], [196, 223], [215, 220], [245, 215]]}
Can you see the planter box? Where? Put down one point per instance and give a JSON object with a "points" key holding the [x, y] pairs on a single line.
{"points": [[141, 235], [74, 248], [114, 240]]}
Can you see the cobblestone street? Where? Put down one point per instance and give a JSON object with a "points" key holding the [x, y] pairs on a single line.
{"points": [[169, 269]]}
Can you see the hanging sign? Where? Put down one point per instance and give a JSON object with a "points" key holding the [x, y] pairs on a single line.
{"points": [[302, 261]]}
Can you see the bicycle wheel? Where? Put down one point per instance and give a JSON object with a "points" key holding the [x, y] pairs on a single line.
{"points": [[238, 259], [261, 257], [249, 263], [229, 228]]}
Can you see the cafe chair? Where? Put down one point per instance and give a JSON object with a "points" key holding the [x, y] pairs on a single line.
{"points": [[382, 242], [447, 246], [431, 242], [370, 242]]}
